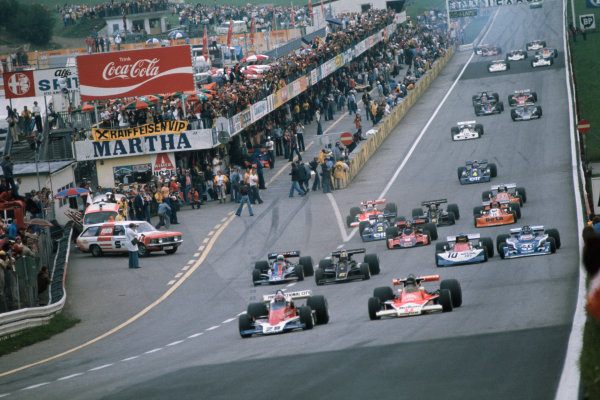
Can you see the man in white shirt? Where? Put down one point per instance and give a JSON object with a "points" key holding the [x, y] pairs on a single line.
{"points": [[270, 146], [216, 162], [37, 115], [132, 247]]}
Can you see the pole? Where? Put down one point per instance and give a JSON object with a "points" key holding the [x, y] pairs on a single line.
{"points": [[448, 16], [573, 13]]}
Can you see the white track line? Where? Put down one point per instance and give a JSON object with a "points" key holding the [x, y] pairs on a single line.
{"points": [[212, 328], [153, 350], [338, 218], [36, 386], [64, 378], [130, 358], [195, 335], [100, 367], [175, 343], [228, 320]]}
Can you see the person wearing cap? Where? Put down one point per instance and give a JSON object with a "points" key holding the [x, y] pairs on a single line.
{"points": [[132, 245], [270, 146]]}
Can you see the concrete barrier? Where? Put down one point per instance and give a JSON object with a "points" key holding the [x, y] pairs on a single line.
{"points": [[387, 125]]}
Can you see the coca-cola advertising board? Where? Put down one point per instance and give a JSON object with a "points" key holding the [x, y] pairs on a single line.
{"points": [[135, 73]]}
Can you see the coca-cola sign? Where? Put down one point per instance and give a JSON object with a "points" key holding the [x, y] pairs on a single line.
{"points": [[135, 73]]}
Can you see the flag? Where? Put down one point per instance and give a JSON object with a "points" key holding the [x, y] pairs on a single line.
{"points": [[310, 10], [205, 45], [229, 34], [252, 33], [292, 15]]}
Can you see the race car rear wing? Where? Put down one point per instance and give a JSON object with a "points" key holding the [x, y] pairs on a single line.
{"points": [[470, 236], [506, 185], [431, 202], [466, 123], [522, 91], [534, 228], [285, 254], [301, 294], [481, 162], [503, 202], [372, 202], [418, 279], [348, 252], [415, 222], [385, 215]]}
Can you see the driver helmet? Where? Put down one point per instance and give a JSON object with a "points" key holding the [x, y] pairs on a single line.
{"points": [[526, 230], [343, 256], [484, 96], [380, 217], [370, 207], [410, 281], [475, 164], [433, 207], [494, 204], [408, 225], [501, 189], [280, 258], [279, 298], [462, 239]]}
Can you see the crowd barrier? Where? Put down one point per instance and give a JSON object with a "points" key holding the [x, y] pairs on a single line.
{"points": [[384, 128]]}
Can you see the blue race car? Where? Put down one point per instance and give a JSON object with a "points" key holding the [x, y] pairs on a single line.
{"points": [[463, 249], [528, 241], [375, 227], [477, 172], [279, 269]]}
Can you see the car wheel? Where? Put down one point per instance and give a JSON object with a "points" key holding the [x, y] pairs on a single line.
{"points": [[517, 209], [454, 130], [383, 293], [460, 171], [553, 233], [245, 324], [374, 307], [489, 245], [451, 218], [263, 266], [391, 232], [477, 211], [171, 251], [534, 96], [299, 272], [307, 265], [479, 129], [455, 290], [485, 254], [417, 212], [142, 250], [354, 211], [493, 170], [362, 225], [391, 208], [325, 263], [496, 96], [500, 107], [440, 247], [319, 276], [373, 261], [445, 300], [349, 220], [364, 271], [257, 310], [540, 110], [319, 305], [552, 245], [454, 208], [432, 229], [501, 239], [501, 247], [516, 218], [95, 250], [255, 275], [306, 317], [487, 195], [522, 193]]}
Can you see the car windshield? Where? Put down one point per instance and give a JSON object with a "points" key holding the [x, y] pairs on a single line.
{"points": [[98, 217], [144, 227]]}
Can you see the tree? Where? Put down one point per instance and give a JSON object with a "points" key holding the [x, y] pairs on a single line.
{"points": [[29, 22]]}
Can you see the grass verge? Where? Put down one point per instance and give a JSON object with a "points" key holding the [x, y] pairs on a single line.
{"points": [[589, 362], [58, 324]]}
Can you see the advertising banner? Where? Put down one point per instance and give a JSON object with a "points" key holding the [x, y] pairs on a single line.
{"points": [[135, 73], [41, 82], [103, 134], [258, 110], [163, 162]]}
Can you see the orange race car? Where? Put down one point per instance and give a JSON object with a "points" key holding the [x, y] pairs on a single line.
{"points": [[369, 208], [494, 213], [506, 192]]}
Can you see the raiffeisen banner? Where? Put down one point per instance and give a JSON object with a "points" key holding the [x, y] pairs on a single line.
{"points": [[135, 73]]}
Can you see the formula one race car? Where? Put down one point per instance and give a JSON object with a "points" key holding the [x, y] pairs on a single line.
{"points": [[375, 227], [477, 172], [368, 208], [487, 50], [342, 268], [547, 53], [483, 97], [280, 269], [413, 299], [506, 192], [408, 234], [528, 241], [494, 213], [526, 113], [466, 130], [489, 107], [463, 249], [535, 45], [278, 313], [522, 97], [435, 214], [541, 62], [498, 66], [516, 55]]}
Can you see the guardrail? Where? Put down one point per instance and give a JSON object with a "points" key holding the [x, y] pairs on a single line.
{"points": [[15, 321]]}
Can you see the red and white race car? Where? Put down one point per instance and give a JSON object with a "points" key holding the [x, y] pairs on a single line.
{"points": [[413, 299], [407, 234], [278, 313], [368, 209]]}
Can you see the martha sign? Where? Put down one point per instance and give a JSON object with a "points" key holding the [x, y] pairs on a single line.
{"points": [[102, 134], [87, 150]]}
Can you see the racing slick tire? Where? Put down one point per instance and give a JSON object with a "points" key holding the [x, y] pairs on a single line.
{"points": [[507, 66], [255, 275], [96, 250], [257, 310], [320, 276], [319, 305], [460, 171], [362, 225], [455, 290], [500, 107], [373, 261], [489, 245], [432, 229], [493, 170], [454, 129], [522, 193], [540, 110], [477, 211], [450, 218], [299, 271], [390, 208], [325, 264], [513, 115], [171, 251], [501, 247], [475, 222], [349, 220], [553, 233], [391, 233], [501, 239], [374, 306], [383, 293], [534, 96], [479, 129], [511, 100], [245, 324], [494, 94], [307, 265], [445, 300], [364, 271], [354, 211], [552, 245], [142, 250], [400, 219], [263, 266], [454, 209], [306, 317], [517, 209], [487, 195], [440, 247], [416, 212]]}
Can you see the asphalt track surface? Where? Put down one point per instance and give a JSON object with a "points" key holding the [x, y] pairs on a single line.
{"points": [[507, 341]]}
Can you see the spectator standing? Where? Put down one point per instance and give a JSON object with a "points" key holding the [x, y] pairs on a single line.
{"points": [[319, 126], [314, 165], [132, 245], [43, 281], [7, 171], [253, 182], [164, 214], [295, 179], [139, 204], [118, 42], [244, 199], [37, 115], [26, 118], [13, 121], [270, 146], [294, 147], [339, 172], [300, 136], [326, 174], [219, 185]]}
